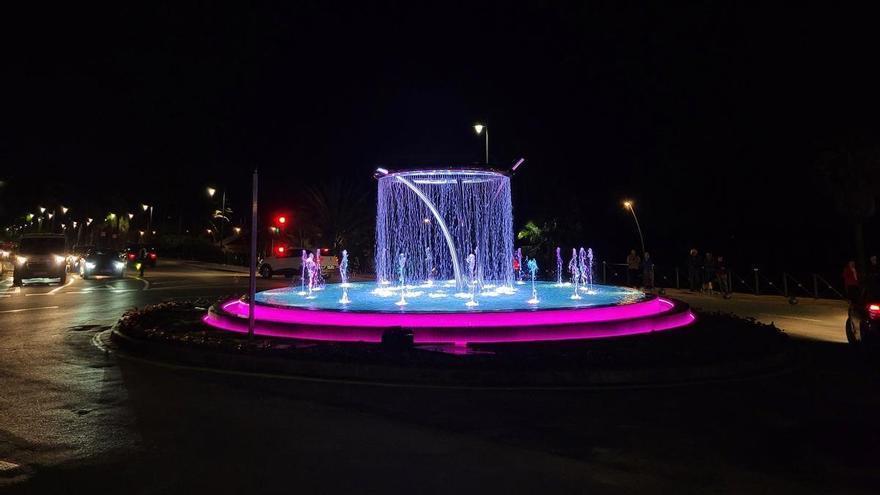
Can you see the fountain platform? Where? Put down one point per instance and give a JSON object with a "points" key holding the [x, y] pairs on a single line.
{"points": [[437, 313]]}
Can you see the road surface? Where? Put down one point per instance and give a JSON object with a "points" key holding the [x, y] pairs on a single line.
{"points": [[76, 420]]}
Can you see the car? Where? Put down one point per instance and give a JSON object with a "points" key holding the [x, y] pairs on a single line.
{"points": [[102, 262], [40, 256], [141, 252], [863, 318], [76, 256], [287, 261]]}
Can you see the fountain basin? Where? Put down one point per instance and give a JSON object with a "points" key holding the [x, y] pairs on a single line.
{"points": [[437, 314]]}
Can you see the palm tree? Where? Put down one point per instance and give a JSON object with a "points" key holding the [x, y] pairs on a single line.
{"points": [[339, 214]]}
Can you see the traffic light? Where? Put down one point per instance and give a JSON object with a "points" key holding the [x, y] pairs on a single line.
{"points": [[282, 220]]}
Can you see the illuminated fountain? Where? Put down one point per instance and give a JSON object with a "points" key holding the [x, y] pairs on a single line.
{"points": [[447, 269]]}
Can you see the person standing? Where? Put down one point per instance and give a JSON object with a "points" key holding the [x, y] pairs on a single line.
{"points": [[708, 273], [633, 263], [693, 266], [722, 276], [648, 272], [851, 281]]}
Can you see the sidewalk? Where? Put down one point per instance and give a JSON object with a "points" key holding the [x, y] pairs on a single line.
{"points": [[816, 319]]}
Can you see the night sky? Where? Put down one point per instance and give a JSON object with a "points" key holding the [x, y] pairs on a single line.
{"points": [[710, 116]]}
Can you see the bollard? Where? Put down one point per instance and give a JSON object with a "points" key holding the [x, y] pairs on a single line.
{"points": [[677, 283]]}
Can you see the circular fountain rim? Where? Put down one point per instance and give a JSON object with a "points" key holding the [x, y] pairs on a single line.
{"points": [[530, 309]]}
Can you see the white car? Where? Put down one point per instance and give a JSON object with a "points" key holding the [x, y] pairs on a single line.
{"points": [[288, 262]]}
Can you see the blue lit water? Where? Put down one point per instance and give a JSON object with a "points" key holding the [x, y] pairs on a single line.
{"points": [[443, 297]]}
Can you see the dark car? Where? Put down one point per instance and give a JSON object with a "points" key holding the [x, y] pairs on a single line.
{"points": [[863, 323], [40, 256], [142, 253], [101, 262]]}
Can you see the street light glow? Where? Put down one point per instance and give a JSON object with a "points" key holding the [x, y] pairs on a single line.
{"points": [[130, 216], [479, 128], [145, 207], [211, 191], [64, 210], [42, 210], [627, 204]]}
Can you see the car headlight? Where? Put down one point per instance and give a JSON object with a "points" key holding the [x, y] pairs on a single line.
{"points": [[21, 260], [59, 259], [90, 265], [119, 265]]}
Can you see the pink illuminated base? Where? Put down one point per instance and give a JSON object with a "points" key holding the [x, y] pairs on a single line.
{"points": [[647, 316]]}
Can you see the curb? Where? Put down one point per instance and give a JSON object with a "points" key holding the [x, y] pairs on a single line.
{"points": [[169, 355]]}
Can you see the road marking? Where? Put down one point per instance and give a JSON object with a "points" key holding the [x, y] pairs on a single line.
{"points": [[40, 294], [28, 309], [8, 466], [797, 318], [145, 281], [56, 289]]}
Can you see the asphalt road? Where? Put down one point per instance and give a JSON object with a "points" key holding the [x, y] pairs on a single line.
{"points": [[76, 420]]}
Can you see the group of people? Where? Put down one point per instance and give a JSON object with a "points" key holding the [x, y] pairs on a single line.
{"points": [[707, 273], [639, 271], [853, 282]]}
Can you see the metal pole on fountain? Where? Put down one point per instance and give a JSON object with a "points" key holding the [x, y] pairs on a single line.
{"points": [[343, 276], [575, 275], [401, 266], [471, 263], [558, 266], [252, 286], [533, 268]]}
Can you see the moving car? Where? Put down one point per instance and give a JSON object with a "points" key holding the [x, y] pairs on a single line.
{"points": [[863, 321], [40, 256], [141, 252], [101, 262], [287, 261]]}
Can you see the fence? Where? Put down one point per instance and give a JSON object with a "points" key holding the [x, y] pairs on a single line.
{"points": [[754, 281]]}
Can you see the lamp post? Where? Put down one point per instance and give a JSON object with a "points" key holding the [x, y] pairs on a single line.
{"points": [[480, 128], [150, 223], [628, 204]]}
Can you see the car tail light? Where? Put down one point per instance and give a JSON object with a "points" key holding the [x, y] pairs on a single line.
{"points": [[131, 256], [874, 311], [152, 255]]}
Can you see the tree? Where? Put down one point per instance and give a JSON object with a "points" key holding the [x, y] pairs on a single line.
{"points": [[849, 174], [340, 214]]}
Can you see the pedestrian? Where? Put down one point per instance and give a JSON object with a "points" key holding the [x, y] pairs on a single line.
{"points": [[708, 272], [851, 281], [633, 263], [142, 262], [693, 265], [648, 272], [873, 271], [722, 276]]}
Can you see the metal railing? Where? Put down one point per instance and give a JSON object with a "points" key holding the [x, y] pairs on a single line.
{"points": [[758, 281]]}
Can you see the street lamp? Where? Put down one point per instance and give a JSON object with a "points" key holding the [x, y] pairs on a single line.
{"points": [[150, 208], [130, 216], [64, 210], [480, 128], [211, 191], [628, 204], [42, 210]]}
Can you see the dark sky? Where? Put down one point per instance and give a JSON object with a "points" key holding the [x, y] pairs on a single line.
{"points": [[709, 115]]}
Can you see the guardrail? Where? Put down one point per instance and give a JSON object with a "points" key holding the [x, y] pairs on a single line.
{"points": [[756, 282]]}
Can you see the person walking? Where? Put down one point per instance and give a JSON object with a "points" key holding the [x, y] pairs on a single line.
{"points": [[648, 272], [851, 281], [722, 276], [693, 273], [633, 263], [708, 273]]}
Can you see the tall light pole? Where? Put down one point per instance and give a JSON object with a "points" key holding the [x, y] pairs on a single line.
{"points": [[480, 128], [150, 223], [628, 204]]}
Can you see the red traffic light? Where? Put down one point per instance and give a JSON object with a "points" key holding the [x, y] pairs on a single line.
{"points": [[280, 249], [282, 220]]}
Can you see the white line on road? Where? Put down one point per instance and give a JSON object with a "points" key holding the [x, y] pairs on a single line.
{"points": [[798, 318], [28, 309], [56, 289]]}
